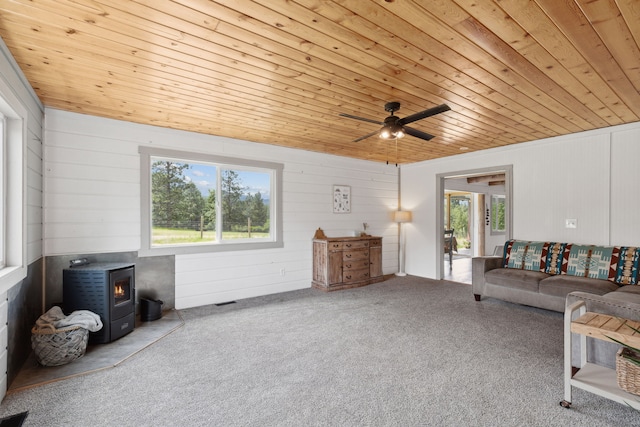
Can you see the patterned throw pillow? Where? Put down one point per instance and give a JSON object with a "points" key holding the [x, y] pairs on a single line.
{"points": [[624, 265], [554, 256], [589, 261], [506, 253], [522, 255]]}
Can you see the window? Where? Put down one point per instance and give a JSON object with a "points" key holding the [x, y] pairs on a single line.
{"points": [[13, 231], [497, 214], [203, 203], [459, 206]]}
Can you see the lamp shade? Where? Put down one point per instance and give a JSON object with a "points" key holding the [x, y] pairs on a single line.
{"points": [[402, 216]]}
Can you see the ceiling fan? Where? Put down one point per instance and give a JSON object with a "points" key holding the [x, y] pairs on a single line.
{"points": [[393, 127]]}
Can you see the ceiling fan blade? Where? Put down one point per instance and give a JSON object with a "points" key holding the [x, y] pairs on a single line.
{"points": [[424, 114], [375, 132], [418, 133], [361, 118]]}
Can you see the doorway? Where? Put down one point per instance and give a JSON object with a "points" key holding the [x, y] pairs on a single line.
{"points": [[459, 234], [484, 196]]}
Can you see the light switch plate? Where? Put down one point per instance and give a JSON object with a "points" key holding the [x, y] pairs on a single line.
{"points": [[571, 223]]}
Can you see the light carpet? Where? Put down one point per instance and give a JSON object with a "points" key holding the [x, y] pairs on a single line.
{"points": [[404, 352]]}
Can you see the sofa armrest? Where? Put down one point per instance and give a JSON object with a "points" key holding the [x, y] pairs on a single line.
{"points": [[619, 304], [479, 266], [614, 303]]}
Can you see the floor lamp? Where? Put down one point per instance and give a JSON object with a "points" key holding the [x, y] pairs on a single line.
{"points": [[400, 217]]}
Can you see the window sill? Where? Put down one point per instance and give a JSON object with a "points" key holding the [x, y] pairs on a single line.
{"points": [[196, 249], [11, 276]]}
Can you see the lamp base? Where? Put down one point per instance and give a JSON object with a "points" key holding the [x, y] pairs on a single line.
{"points": [[401, 273]]}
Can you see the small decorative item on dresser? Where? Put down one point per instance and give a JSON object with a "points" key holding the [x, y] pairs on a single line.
{"points": [[319, 234]]}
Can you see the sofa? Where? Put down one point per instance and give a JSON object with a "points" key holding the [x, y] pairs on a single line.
{"points": [[552, 276], [542, 274]]}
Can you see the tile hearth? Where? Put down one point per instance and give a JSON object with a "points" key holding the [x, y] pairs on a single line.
{"points": [[99, 356]]}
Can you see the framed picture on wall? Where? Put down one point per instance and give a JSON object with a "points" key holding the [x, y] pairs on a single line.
{"points": [[341, 199]]}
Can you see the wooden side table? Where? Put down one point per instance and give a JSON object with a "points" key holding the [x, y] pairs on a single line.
{"points": [[591, 377]]}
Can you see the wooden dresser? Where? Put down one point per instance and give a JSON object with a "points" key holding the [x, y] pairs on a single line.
{"points": [[346, 262]]}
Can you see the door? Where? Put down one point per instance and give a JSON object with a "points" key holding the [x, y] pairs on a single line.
{"points": [[495, 222]]}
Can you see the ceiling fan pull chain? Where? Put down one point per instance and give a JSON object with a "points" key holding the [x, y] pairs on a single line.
{"points": [[396, 151]]}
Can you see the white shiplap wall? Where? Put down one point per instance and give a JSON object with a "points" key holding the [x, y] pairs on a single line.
{"points": [[590, 176], [12, 77], [92, 204], [624, 202], [34, 191]]}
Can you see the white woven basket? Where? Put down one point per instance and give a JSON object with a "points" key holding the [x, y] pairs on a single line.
{"points": [[55, 347]]}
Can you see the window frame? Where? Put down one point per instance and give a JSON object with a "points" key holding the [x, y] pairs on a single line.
{"points": [[13, 167], [146, 248], [494, 208]]}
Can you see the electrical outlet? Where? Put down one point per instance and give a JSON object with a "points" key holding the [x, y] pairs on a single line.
{"points": [[282, 272], [571, 223]]}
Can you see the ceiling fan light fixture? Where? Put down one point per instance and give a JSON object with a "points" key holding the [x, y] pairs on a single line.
{"points": [[392, 132], [391, 129]]}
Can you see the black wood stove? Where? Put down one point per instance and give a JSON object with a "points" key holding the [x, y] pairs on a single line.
{"points": [[107, 289]]}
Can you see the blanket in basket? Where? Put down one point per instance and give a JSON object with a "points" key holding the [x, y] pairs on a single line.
{"points": [[55, 318]]}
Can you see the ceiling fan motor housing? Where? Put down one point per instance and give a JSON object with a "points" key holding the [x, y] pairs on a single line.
{"points": [[392, 107]]}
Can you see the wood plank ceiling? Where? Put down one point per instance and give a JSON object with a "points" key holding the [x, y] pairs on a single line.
{"points": [[280, 71]]}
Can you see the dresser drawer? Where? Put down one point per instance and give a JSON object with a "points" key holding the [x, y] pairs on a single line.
{"points": [[375, 242], [335, 246], [355, 255], [355, 275], [355, 264], [356, 244]]}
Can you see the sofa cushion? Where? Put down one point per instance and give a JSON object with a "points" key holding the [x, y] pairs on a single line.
{"points": [[628, 289], [514, 278], [624, 297], [562, 285], [625, 294]]}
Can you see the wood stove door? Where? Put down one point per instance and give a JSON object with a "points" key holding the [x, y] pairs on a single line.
{"points": [[122, 292]]}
